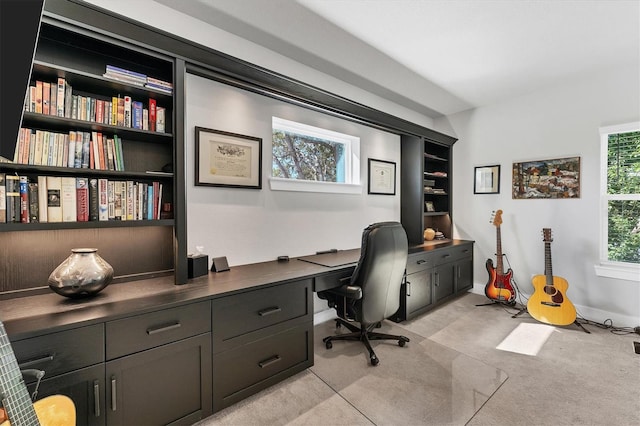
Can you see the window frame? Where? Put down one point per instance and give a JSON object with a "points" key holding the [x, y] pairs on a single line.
{"points": [[351, 184], [610, 268]]}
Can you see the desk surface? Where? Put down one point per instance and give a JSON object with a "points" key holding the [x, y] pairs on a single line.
{"points": [[29, 316], [33, 315]]}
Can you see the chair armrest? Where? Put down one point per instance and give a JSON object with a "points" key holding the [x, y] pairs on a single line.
{"points": [[348, 291]]}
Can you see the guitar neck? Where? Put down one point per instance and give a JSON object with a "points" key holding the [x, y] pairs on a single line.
{"points": [[548, 272], [15, 395], [499, 266]]}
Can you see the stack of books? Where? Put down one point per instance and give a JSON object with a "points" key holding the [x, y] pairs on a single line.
{"points": [[125, 76], [160, 85]]}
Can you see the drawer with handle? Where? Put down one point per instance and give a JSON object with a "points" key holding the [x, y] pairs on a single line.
{"points": [[63, 351], [239, 314], [129, 335]]}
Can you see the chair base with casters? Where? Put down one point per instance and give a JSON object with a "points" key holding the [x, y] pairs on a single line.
{"points": [[365, 335]]}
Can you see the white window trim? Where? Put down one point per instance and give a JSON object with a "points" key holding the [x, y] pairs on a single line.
{"points": [[352, 183], [606, 268]]}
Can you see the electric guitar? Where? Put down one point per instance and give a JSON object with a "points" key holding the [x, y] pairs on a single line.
{"points": [[499, 286], [549, 302], [55, 410]]}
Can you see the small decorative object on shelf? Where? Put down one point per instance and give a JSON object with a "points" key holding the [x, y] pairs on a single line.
{"points": [[429, 234], [83, 273]]}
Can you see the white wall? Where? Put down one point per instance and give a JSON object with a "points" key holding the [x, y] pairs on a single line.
{"points": [[249, 225], [556, 122]]}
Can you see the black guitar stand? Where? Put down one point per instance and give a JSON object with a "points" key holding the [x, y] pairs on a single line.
{"points": [[524, 309]]}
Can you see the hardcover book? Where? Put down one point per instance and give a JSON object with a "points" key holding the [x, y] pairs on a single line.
{"points": [[38, 97], [54, 205], [152, 114], [127, 111], [42, 199], [93, 199], [3, 199], [160, 119], [82, 199], [103, 199], [12, 185], [68, 199], [34, 202], [24, 199], [46, 94], [60, 94]]}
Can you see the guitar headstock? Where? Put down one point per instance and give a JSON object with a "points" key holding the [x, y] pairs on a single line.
{"points": [[546, 235], [496, 218]]}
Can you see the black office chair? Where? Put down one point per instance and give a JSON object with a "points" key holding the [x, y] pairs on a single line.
{"points": [[372, 293]]}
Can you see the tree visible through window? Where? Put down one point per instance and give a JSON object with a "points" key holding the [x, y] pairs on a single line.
{"points": [[622, 194], [309, 153]]}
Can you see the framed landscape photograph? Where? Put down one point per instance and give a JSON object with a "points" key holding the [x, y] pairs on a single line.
{"points": [[487, 180], [382, 177], [227, 159]]}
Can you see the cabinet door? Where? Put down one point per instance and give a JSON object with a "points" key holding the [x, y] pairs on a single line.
{"points": [[443, 281], [86, 389], [418, 292], [463, 275], [167, 384]]}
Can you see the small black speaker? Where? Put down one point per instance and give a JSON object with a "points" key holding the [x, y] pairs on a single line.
{"points": [[197, 265]]}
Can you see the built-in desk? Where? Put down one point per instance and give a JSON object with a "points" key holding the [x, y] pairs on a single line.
{"points": [[217, 339]]}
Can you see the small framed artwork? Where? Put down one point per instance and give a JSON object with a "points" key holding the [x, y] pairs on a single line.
{"points": [[428, 206], [227, 159], [382, 177], [487, 180]]}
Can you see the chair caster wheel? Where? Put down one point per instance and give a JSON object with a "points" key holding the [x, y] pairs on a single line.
{"points": [[374, 360], [328, 345], [401, 343]]}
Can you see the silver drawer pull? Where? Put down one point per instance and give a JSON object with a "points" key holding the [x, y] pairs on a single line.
{"points": [[268, 362], [269, 311], [152, 331], [409, 288], [96, 398], [28, 364], [421, 261], [444, 256], [113, 394]]}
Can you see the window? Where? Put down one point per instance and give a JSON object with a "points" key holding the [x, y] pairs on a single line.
{"points": [[308, 158], [620, 202]]}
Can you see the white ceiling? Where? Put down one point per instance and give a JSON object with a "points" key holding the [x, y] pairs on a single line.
{"points": [[438, 57]]}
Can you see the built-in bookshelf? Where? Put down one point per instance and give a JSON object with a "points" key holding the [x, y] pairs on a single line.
{"points": [[426, 187], [98, 113]]}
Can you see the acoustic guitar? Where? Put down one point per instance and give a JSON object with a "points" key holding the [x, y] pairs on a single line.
{"points": [[499, 286], [55, 410], [549, 302]]}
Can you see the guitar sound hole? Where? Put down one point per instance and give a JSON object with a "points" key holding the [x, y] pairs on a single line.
{"points": [[556, 296]]}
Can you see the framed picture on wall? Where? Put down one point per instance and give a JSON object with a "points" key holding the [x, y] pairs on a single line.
{"points": [[227, 159], [486, 180], [382, 177]]}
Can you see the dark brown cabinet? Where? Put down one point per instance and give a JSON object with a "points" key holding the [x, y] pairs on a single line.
{"points": [[167, 384], [433, 276], [152, 368], [260, 337]]}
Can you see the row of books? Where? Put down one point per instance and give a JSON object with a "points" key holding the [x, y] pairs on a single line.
{"points": [[75, 149], [57, 99], [137, 79], [76, 199]]}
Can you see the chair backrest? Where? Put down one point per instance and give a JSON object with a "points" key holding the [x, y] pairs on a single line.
{"points": [[383, 259]]}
